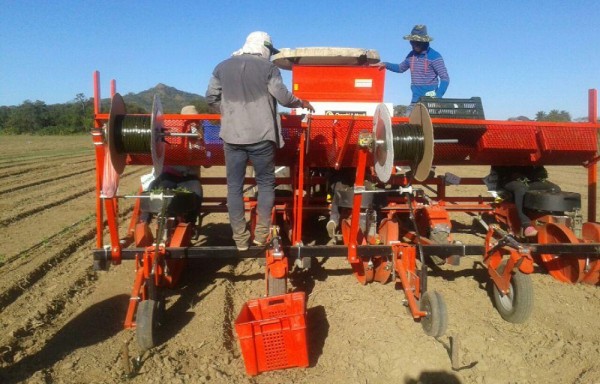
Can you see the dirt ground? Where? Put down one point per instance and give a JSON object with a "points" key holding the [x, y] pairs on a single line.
{"points": [[63, 323]]}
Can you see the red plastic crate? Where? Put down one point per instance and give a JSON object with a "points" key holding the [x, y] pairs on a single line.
{"points": [[272, 333]]}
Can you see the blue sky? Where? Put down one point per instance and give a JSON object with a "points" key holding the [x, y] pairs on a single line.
{"points": [[520, 57]]}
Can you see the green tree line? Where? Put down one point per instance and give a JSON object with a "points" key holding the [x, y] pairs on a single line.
{"points": [[76, 116], [36, 117]]}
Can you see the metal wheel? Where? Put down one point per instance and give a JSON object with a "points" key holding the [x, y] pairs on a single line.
{"points": [[363, 272], [591, 232], [517, 304], [147, 320], [565, 269], [436, 321]]}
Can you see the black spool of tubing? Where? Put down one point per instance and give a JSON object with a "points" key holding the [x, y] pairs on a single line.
{"points": [[408, 143], [133, 134]]}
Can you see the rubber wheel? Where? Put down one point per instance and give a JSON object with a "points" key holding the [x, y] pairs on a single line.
{"points": [[146, 323], [436, 321], [517, 304], [276, 286]]}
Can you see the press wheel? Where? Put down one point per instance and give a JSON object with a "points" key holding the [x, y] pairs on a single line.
{"points": [[516, 305], [566, 269], [591, 232], [147, 321], [435, 322], [364, 272]]}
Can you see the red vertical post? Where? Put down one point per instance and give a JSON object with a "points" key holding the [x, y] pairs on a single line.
{"points": [[357, 202], [99, 150], [299, 191], [593, 169], [96, 96]]}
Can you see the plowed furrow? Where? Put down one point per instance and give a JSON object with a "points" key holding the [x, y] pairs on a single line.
{"points": [[35, 273], [50, 310], [35, 247], [228, 311], [36, 205], [44, 207], [42, 161], [46, 180], [31, 172]]}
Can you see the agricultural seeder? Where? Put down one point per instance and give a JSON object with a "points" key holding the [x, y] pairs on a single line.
{"points": [[395, 217]]}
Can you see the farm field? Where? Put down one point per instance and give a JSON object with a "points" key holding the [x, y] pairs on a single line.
{"points": [[63, 323]]}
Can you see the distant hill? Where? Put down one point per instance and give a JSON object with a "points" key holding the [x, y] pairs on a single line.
{"points": [[519, 118], [171, 98]]}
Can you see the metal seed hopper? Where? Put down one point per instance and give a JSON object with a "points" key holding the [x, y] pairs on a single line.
{"points": [[396, 222]]}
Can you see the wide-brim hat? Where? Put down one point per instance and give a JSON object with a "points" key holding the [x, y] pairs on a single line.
{"points": [[419, 33], [262, 38], [269, 44], [189, 110]]}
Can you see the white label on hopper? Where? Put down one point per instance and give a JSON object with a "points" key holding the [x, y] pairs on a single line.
{"points": [[363, 83]]}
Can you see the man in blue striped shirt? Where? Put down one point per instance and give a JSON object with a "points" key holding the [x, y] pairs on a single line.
{"points": [[428, 73]]}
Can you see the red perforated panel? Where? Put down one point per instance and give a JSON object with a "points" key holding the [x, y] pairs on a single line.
{"points": [[560, 144], [477, 142]]}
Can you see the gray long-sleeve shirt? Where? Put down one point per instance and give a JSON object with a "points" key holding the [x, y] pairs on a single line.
{"points": [[246, 89]]}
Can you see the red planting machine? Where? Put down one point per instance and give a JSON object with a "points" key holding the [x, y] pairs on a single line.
{"points": [[395, 214]]}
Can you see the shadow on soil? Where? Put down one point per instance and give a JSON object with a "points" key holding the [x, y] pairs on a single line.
{"points": [[434, 377], [317, 330], [94, 325], [196, 282]]}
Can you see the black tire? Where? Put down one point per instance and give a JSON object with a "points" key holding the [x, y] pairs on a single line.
{"points": [[517, 305], [436, 321], [146, 323]]}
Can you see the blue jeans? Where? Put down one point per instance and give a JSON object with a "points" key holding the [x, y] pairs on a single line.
{"points": [[261, 155]]}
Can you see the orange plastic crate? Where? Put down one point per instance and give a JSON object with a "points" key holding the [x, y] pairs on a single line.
{"points": [[272, 333]]}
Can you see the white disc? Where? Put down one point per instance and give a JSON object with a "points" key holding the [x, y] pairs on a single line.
{"points": [[383, 152], [157, 147], [420, 116], [117, 111]]}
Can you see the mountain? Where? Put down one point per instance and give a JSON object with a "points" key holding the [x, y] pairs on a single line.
{"points": [[171, 98]]}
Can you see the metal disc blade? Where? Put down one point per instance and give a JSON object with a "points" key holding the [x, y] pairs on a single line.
{"points": [[117, 111], [565, 269], [383, 153], [420, 116], [158, 145]]}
